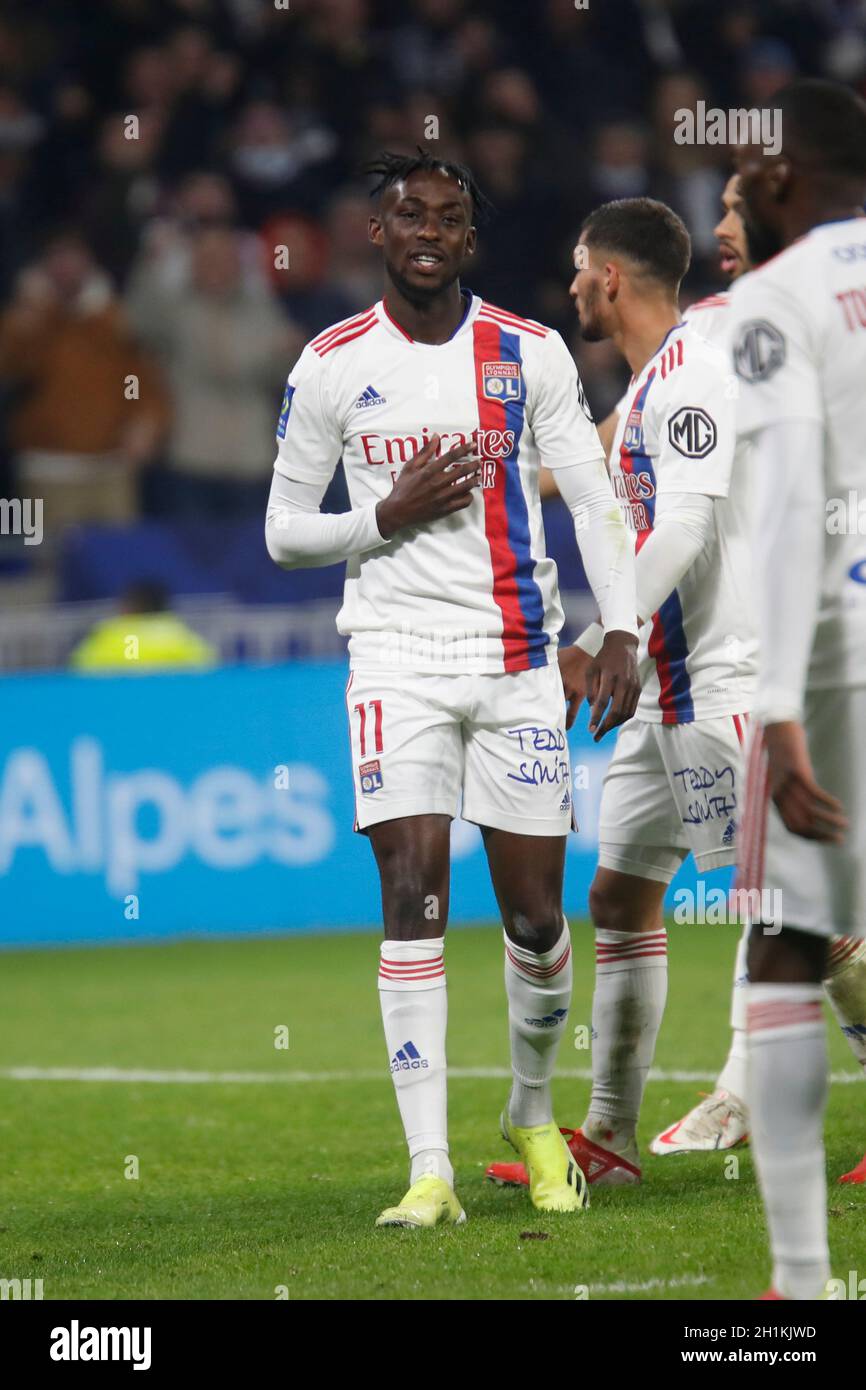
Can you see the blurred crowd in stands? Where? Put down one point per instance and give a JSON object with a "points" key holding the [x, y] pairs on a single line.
{"points": [[156, 154]]}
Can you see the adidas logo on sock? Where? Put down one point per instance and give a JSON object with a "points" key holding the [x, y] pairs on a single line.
{"points": [[549, 1020], [369, 396], [408, 1058]]}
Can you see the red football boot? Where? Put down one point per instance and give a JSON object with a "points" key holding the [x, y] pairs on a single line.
{"points": [[857, 1174], [599, 1165], [603, 1166]]}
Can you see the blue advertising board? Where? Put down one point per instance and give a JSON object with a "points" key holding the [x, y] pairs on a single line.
{"points": [[149, 806]]}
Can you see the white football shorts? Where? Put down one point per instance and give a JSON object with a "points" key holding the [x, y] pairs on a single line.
{"points": [[807, 885], [671, 790], [422, 741]]}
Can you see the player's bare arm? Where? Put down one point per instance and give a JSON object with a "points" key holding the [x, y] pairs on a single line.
{"points": [[606, 432], [789, 510], [608, 559], [574, 664], [805, 807], [612, 684]]}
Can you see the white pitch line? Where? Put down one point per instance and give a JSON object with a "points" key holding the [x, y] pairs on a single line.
{"points": [[296, 1078], [686, 1281]]}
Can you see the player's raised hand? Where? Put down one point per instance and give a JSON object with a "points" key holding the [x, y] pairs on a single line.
{"points": [[805, 807], [612, 684], [574, 664], [428, 487]]}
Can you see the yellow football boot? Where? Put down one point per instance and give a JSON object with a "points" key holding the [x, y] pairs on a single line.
{"points": [[556, 1183], [429, 1202]]}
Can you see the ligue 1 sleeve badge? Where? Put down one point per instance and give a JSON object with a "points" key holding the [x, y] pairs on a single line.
{"points": [[501, 381], [285, 408]]}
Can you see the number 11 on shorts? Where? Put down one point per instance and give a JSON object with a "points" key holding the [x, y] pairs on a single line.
{"points": [[361, 711]]}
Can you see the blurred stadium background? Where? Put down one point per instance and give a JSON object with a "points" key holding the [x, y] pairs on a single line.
{"points": [[181, 207]]}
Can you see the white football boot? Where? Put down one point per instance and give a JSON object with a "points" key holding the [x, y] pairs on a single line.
{"points": [[720, 1121]]}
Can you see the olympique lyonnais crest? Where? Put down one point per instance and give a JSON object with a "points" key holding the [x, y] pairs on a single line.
{"points": [[371, 777], [500, 381], [633, 437]]}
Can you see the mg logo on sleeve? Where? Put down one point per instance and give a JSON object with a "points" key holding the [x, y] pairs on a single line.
{"points": [[501, 381], [692, 432], [759, 351]]}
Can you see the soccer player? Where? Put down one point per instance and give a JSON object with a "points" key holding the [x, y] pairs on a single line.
{"points": [[799, 348], [443, 408], [733, 261], [673, 784], [721, 1119]]}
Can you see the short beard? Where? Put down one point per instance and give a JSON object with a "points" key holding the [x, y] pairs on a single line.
{"points": [[418, 295], [762, 243], [591, 333], [590, 327]]}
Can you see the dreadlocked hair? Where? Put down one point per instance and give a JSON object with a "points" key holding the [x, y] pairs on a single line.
{"points": [[389, 168]]}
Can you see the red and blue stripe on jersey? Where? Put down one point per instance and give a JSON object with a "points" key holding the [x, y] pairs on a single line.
{"points": [[506, 516], [667, 642]]}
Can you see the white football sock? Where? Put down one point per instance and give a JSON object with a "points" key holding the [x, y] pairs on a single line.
{"points": [[415, 1015], [538, 986], [787, 1095], [631, 985], [733, 1076], [845, 985]]}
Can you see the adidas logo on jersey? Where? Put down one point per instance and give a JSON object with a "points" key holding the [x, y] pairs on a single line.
{"points": [[408, 1058], [369, 397], [565, 803]]}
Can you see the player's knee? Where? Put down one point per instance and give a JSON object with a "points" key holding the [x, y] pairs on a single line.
{"points": [[413, 900], [537, 930], [788, 956], [610, 911]]}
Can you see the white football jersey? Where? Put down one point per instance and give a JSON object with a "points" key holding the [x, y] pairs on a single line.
{"points": [[474, 591], [711, 317], [676, 434], [799, 344]]}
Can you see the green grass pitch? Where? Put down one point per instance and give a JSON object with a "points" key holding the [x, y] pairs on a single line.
{"points": [[251, 1187]]}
